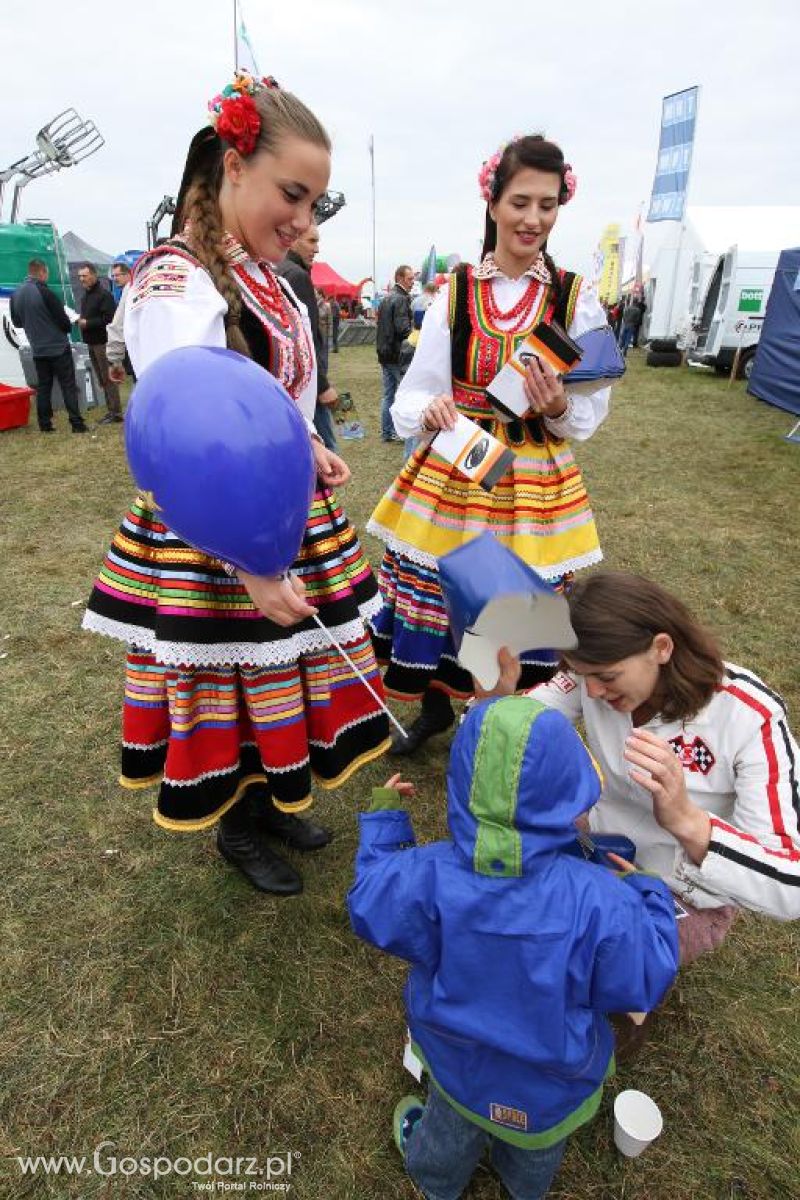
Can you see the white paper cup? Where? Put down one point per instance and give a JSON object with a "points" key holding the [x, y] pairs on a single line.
{"points": [[637, 1122]]}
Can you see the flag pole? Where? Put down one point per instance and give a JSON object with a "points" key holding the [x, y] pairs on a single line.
{"points": [[372, 179]]}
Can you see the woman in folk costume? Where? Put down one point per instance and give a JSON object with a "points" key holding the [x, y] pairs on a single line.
{"points": [[539, 508], [233, 695]]}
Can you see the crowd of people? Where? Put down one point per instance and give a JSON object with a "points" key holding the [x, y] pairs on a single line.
{"points": [[626, 317], [35, 308], [235, 704]]}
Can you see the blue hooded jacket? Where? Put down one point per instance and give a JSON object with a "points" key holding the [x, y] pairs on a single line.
{"points": [[518, 950]]}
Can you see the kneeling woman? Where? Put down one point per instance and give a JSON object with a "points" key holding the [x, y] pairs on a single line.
{"points": [[699, 765]]}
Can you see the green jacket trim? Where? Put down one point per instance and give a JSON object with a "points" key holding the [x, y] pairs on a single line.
{"points": [[495, 786], [385, 800], [527, 1141]]}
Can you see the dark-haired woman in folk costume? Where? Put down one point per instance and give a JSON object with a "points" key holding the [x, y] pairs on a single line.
{"points": [[539, 508], [233, 696]]}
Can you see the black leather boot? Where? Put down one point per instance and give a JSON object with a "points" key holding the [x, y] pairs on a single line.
{"points": [[299, 833], [242, 844], [437, 716]]}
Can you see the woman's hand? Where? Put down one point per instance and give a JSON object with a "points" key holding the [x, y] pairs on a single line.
{"points": [[401, 786], [510, 671], [543, 388], [657, 768], [332, 470], [439, 413], [281, 600]]}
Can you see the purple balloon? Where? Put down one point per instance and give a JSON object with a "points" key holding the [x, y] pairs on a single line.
{"points": [[226, 454]]}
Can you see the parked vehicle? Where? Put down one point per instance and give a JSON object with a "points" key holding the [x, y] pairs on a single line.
{"points": [[731, 314]]}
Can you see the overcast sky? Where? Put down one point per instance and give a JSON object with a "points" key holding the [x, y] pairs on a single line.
{"points": [[440, 84]]}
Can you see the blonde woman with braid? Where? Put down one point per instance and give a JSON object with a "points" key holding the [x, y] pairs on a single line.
{"points": [[233, 697]]}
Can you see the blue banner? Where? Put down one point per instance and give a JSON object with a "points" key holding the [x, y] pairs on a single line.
{"points": [[678, 118]]}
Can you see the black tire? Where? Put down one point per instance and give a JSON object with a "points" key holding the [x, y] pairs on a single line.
{"points": [[663, 345], [664, 358], [746, 365]]}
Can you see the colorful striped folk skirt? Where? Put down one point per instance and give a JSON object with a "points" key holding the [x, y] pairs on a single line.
{"points": [[218, 697], [539, 508]]}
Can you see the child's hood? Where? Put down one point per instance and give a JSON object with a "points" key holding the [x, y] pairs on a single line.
{"points": [[519, 775]]}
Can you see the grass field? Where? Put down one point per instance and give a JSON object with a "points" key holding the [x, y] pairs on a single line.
{"points": [[152, 999]]}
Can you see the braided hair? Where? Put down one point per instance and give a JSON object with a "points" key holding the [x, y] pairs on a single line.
{"points": [[536, 152], [282, 115]]}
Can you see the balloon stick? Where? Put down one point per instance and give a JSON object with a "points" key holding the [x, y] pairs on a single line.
{"points": [[353, 667]]}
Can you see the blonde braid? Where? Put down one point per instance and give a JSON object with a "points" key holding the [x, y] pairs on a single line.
{"points": [[202, 211]]}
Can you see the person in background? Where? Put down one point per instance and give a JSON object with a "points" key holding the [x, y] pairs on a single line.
{"points": [[394, 325], [38, 310], [631, 320], [97, 313], [517, 950], [336, 316], [422, 303], [119, 365], [642, 310], [324, 309], [296, 268]]}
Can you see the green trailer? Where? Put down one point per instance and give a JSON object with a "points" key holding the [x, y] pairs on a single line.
{"points": [[33, 239]]}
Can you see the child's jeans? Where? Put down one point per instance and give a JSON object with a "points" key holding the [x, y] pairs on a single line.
{"points": [[444, 1149]]}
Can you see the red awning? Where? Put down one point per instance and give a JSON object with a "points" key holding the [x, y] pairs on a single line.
{"points": [[331, 282]]}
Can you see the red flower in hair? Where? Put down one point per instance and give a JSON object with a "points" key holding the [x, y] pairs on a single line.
{"points": [[239, 124]]}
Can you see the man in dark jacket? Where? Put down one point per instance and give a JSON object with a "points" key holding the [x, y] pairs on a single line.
{"points": [[97, 313], [296, 269], [642, 310], [394, 325], [41, 314], [631, 320]]}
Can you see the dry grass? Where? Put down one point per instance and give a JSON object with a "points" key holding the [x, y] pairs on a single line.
{"points": [[151, 998]]}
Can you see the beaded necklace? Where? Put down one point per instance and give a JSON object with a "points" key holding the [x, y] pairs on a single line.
{"points": [[291, 354], [519, 313]]}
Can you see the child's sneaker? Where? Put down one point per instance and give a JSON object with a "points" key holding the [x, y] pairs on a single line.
{"points": [[408, 1111]]}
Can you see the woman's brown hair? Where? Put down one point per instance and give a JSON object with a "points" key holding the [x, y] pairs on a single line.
{"points": [[532, 151], [282, 115], [615, 615]]}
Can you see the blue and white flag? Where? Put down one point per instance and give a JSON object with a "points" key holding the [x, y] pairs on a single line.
{"points": [[245, 56], [428, 273], [678, 118]]}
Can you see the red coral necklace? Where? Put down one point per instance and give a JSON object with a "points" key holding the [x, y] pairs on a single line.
{"points": [[519, 313]]}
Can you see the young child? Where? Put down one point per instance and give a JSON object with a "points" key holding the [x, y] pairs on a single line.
{"points": [[518, 950]]}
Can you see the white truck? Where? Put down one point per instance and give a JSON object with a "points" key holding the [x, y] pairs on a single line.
{"points": [[682, 261], [731, 313]]}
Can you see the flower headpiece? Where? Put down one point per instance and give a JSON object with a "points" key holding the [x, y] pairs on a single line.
{"points": [[233, 114], [488, 172]]}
